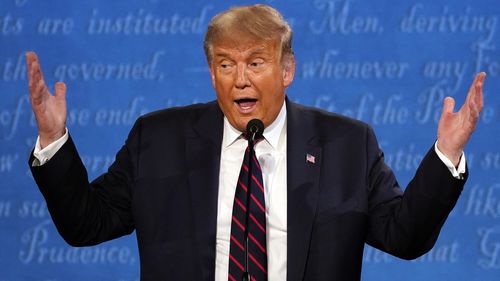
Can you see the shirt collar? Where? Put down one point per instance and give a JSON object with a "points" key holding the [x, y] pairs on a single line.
{"points": [[271, 133]]}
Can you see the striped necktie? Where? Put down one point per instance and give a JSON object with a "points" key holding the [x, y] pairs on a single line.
{"points": [[249, 184]]}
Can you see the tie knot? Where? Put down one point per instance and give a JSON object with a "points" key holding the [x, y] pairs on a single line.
{"points": [[247, 136]]}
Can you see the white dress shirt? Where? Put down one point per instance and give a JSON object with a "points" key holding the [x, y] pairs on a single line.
{"points": [[271, 153]]}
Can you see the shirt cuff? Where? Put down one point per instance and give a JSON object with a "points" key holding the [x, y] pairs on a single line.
{"points": [[457, 172], [42, 156]]}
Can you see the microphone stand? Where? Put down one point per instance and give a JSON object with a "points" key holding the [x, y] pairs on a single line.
{"points": [[251, 141], [255, 128]]}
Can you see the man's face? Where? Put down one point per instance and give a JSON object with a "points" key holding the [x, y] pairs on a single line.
{"points": [[250, 80]]}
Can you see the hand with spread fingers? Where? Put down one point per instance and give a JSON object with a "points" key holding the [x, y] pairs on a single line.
{"points": [[455, 128], [50, 110]]}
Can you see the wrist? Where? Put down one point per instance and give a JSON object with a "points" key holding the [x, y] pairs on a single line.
{"points": [[453, 154], [46, 139]]}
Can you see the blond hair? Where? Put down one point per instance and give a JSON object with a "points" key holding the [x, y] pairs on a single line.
{"points": [[261, 22]]}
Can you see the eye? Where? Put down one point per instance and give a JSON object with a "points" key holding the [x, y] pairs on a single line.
{"points": [[225, 66], [256, 63]]}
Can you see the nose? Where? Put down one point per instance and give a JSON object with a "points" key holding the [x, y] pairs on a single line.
{"points": [[242, 80]]}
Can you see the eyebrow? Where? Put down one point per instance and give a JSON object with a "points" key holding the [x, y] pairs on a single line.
{"points": [[225, 54]]}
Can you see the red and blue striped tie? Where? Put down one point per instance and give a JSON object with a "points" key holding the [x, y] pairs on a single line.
{"points": [[257, 251]]}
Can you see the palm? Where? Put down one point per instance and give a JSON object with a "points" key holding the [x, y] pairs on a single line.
{"points": [[455, 128], [50, 110]]}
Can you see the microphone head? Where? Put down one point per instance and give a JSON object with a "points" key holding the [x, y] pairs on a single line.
{"points": [[255, 128]]}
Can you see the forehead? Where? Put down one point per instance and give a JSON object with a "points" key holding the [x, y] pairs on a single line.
{"points": [[244, 47]]}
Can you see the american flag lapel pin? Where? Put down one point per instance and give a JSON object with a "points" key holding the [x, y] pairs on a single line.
{"points": [[310, 158]]}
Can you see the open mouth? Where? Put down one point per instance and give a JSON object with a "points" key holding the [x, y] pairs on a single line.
{"points": [[246, 104]]}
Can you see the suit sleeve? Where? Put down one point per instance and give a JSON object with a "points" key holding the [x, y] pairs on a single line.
{"points": [[89, 213], [407, 224]]}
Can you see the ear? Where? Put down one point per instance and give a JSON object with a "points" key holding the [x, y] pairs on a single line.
{"points": [[288, 70]]}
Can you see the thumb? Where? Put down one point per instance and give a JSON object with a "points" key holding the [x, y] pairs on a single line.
{"points": [[448, 105], [60, 90]]}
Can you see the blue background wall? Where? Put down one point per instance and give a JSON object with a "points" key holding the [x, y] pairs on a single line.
{"points": [[389, 63]]}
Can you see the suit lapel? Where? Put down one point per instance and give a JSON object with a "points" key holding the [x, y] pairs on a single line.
{"points": [[302, 186], [203, 161]]}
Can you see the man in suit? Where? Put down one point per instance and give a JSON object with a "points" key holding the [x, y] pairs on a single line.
{"points": [[327, 188]]}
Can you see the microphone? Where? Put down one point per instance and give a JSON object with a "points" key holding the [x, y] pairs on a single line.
{"points": [[254, 131], [255, 128]]}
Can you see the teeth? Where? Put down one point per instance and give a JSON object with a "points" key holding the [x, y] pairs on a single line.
{"points": [[246, 104]]}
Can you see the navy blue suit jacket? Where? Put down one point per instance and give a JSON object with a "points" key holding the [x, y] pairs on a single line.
{"points": [[164, 185]]}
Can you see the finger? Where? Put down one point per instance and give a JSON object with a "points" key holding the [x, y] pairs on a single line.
{"points": [[479, 97], [34, 82], [31, 55], [472, 90], [448, 105], [60, 90], [37, 70], [476, 103], [473, 116], [474, 100], [37, 85], [477, 100], [30, 58], [474, 110], [34, 75], [39, 93]]}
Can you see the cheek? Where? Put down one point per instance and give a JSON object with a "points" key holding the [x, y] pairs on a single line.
{"points": [[225, 102], [222, 90], [225, 86]]}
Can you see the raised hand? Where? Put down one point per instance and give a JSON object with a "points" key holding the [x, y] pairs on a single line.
{"points": [[455, 128], [50, 110]]}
